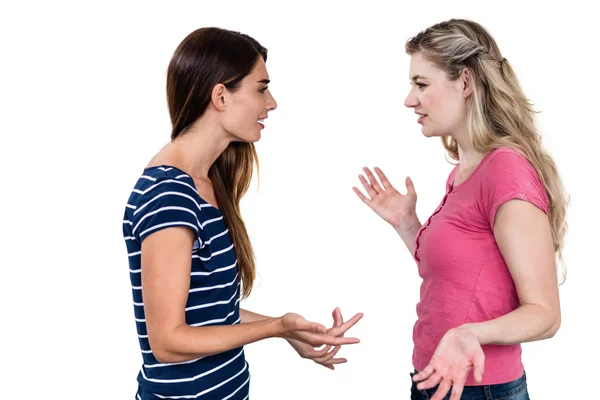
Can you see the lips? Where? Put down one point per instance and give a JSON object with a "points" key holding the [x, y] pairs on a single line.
{"points": [[421, 117]]}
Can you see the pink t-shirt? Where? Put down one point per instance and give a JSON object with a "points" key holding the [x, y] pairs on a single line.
{"points": [[465, 277]]}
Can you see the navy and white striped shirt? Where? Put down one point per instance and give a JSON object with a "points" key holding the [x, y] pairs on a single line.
{"points": [[164, 197]]}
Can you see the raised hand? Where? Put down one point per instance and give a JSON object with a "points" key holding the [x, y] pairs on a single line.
{"points": [[325, 356], [385, 200], [457, 353]]}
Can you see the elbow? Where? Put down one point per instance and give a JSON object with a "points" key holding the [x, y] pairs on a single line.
{"points": [[164, 356], [162, 352], [554, 326]]}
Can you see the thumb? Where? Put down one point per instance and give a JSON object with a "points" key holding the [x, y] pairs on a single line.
{"points": [[410, 186], [478, 366]]}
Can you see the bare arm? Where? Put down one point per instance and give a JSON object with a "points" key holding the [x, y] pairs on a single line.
{"points": [[524, 237], [407, 230], [166, 256]]}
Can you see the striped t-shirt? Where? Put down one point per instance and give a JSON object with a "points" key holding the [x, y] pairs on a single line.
{"points": [[164, 197]]}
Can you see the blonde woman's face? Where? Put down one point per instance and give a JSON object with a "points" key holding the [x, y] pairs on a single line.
{"points": [[438, 102]]}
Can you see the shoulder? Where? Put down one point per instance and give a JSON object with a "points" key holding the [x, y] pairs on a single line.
{"points": [[504, 161], [506, 175]]}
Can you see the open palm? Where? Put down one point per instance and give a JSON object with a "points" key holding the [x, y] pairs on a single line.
{"points": [[391, 205], [457, 353]]}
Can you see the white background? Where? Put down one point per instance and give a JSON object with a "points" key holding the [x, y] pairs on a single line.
{"points": [[83, 109]]}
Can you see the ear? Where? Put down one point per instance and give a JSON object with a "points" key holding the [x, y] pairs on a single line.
{"points": [[218, 97], [466, 82]]}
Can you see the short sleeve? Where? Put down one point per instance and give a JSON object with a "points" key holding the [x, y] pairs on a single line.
{"points": [[508, 175], [167, 203]]}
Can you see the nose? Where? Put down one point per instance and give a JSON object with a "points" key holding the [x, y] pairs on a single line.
{"points": [[271, 104], [411, 100]]}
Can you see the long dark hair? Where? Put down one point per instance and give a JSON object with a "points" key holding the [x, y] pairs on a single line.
{"points": [[205, 58]]}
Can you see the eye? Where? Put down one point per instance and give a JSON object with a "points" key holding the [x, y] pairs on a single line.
{"points": [[421, 85], [262, 90]]}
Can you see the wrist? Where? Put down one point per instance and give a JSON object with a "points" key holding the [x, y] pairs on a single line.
{"points": [[277, 328], [408, 222], [475, 329]]}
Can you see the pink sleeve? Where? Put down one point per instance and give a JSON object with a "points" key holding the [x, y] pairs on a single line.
{"points": [[508, 176]]}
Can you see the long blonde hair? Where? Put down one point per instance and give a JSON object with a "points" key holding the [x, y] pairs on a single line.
{"points": [[499, 113]]}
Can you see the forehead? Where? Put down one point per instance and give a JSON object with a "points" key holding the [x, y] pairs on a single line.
{"points": [[421, 67], [259, 71]]}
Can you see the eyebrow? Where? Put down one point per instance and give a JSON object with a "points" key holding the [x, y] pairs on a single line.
{"points": [[415, 77], [265, 81]]}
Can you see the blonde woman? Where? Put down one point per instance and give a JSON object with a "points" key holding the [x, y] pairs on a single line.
{"points": [[487, 254]]}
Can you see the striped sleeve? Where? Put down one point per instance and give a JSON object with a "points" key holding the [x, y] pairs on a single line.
{"points": [[167, 203]]}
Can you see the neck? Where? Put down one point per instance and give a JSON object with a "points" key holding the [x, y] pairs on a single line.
{"points": [[199, 146], [468, 156]]}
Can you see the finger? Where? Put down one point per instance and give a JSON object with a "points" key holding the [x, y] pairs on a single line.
{"points": [[340, 330], [338, 320], [370, 190], [426, 373], [442, 390], [457, 390], [384, 180], [336, 361], [478, 366], [374, 182], [320, 353], [361, 196], [433, 380], [337, 341], [304, 325], [328, 356], [410, 187]]}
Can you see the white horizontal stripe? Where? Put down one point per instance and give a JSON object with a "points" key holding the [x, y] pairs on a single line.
{"points": [[130, 206], [237, 390], [167, 208], [210, 220], [194, 377], [176, 223], [165, 169], [140, 320], [171, 364], [129, 238], [214, 271], [136, 253], [216, 320], [135, 271], [149, 178], [128, 222], [138, 304], [216, 253], [168, 181], [181, 176], [147, 351], [136, 287], [212, 304], [216, 236], [138, 397], [207, 390], [203, 289], [143, 336]]}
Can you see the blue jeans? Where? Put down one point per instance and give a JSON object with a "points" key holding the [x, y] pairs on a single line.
{"points": [[515, 390]]}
